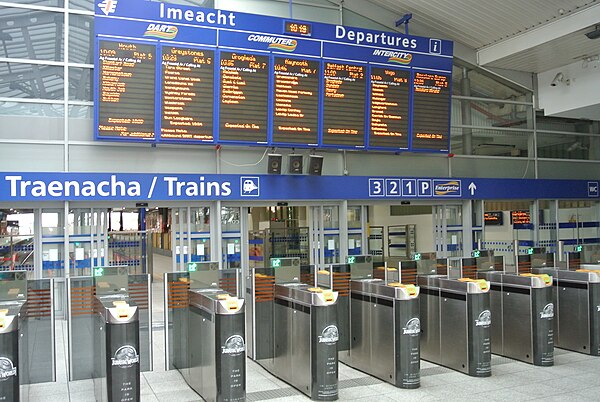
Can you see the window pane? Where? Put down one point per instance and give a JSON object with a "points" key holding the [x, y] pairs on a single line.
{"points": [[33, 81], [81, 38], [80, 84], [43, 122], [48, 3], [31, 34]]}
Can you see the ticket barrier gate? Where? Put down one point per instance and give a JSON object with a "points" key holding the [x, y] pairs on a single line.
{"points": [[522, 310], [109, 323], [455, 318], [117, 335], [576, 294], [26, 334], [293, 329], [206, 336], [383, 326]]}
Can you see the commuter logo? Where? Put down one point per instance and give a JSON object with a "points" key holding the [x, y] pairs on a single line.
{"points": [[484, 319], [7, 369], [275, 43], [548, 311], [108, 6], [250, 186], [413, 327], [125, 357], [329, 335], [234, 345]]}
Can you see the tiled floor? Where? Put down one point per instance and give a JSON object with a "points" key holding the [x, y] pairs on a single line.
{"points": [[574, 377]]}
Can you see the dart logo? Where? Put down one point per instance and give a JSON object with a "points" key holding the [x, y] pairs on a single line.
{"points": [[161, 31]]}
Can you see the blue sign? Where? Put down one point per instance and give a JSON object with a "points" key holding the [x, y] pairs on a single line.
{"points": [[136, 187], [593, 189], [176, 73]]}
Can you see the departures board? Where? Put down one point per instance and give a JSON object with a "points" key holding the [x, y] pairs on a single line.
{"points": [[184, 74]]}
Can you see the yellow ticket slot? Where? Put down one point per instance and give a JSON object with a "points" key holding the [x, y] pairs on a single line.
{"points": [[482, 283], [328, 296], [122, 308], [3, 313], [545, 277], [410, 289]]}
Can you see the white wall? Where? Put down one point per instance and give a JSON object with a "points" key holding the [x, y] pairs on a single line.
{"points": [[580, 99]]}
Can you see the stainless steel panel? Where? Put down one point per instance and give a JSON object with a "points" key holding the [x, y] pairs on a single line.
{"points": [[497, 327], [516, 317], [282, 361], [360, 349], [382, 341], [573, 318], [301, 363], [453, 348], [430, 324]]}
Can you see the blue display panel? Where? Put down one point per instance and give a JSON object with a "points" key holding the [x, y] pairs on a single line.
{"points": [[167, 72]]}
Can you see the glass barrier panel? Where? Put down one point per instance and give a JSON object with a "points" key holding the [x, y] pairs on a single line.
{"points": [[139, 291], [81, 323], [38, 334]]}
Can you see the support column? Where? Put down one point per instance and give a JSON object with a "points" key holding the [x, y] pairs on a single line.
{"points": [[465, 107]]}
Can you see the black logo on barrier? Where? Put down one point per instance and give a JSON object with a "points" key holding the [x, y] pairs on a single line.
{"points": [[126, 356], [484, 319], [329, 335], [413, 327], [234, 345], [548, 311], [7, 369]]}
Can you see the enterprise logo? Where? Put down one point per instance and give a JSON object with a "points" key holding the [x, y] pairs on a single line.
{"points": [[161, 31], [394, 57], [108, 6], [284, 44], [447, 188]]}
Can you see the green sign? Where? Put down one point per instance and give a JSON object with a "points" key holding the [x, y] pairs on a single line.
{"points": [[275, 262], [98, 271], [476, 253], [192, 267], [351, 259], [417, 257], [579, 248], [530, 250]]}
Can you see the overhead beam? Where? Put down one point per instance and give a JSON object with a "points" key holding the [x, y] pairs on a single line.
{"points": [[539, 35]]}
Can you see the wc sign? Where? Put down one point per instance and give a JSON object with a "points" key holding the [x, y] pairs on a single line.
{"points": [[593, 189]]}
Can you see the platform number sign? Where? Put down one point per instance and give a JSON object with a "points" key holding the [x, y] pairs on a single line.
{"points": [[409, 187], [393, 187], [376, 188], [425, 188]]}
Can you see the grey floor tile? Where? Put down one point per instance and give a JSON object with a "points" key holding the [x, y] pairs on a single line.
{"points": [[417, 395], [179, 396], [348, 394], [84, 396], [48, 389]]}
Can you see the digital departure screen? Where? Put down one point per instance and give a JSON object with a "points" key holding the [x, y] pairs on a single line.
{"points": [[187, 86], [180, 73], [296, 101], [126, 90], [344, 104], [431, 110], [244, 94], [389, 113]]}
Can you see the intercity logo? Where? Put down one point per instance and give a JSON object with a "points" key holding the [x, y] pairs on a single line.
{"points": [[394, 57], [108, 6], [161, 31], [275, 43], [447, 188]]}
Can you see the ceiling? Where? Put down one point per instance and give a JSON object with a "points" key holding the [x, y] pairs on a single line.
{"points": [[531, 36]]}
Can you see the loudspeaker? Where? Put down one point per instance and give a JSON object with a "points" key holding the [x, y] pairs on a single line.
{"points": [[315, 165], [274, 164], [295, 164]]}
